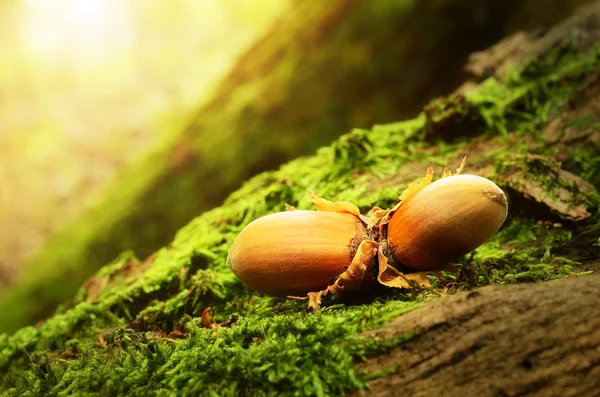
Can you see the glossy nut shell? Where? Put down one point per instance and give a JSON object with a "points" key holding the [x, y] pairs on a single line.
{"points": [[295, 252], [446, 220]]}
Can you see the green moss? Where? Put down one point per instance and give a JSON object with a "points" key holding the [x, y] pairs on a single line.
{"points": [[136, 327], [523, 251], [266, 352]]}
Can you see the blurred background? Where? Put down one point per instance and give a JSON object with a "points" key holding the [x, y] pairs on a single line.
{"points": [[122, 120], [87, 86]]}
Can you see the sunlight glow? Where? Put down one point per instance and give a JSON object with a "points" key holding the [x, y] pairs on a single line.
{"points": [[76, 31]]}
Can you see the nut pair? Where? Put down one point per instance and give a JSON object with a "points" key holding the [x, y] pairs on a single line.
{"points": [[311, 254]]}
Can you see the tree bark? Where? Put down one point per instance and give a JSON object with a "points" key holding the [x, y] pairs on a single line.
{"points": [[503, 340]]}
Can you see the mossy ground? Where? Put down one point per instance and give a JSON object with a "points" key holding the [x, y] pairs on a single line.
{"points": [[137, 326]]}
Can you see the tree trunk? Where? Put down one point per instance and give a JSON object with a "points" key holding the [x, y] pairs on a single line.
{"points": [[503, 340]]}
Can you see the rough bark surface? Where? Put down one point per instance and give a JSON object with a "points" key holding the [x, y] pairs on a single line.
{"points": [[513, 340], [521, 46]]}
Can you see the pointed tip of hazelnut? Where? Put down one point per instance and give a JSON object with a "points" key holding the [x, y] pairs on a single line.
{"points": [[495, 193]]}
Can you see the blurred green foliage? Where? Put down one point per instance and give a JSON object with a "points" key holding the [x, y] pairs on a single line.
{"points": [[89, 87]]}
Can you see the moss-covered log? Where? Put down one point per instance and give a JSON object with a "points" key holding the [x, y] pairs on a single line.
{"points": [[178, 322], [323, 69]]}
